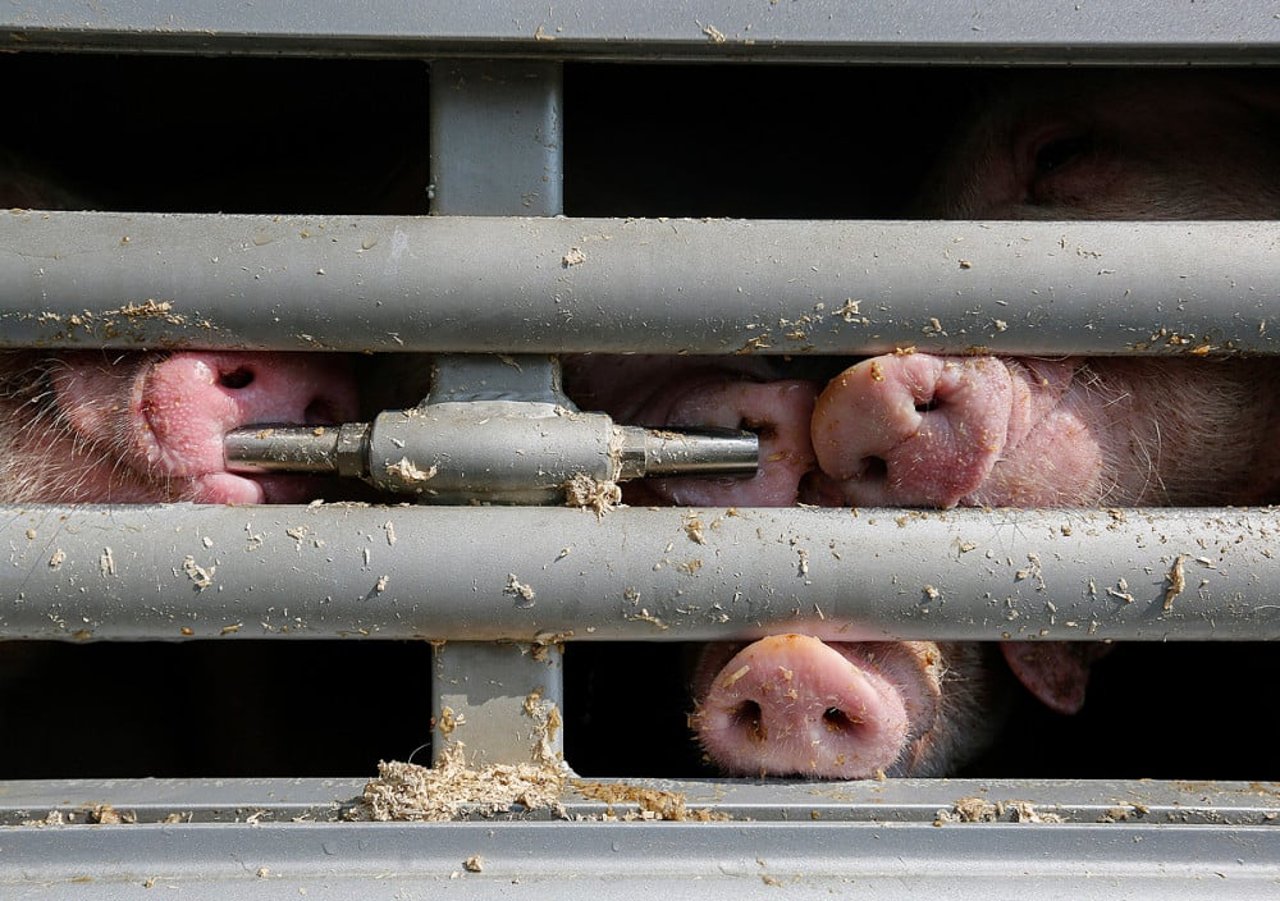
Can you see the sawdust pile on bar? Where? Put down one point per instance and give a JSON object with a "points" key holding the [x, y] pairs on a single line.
{"points": [[409, 792]]}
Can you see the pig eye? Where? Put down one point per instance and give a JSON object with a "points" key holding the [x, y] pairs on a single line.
{"points": [[1058, 152]]}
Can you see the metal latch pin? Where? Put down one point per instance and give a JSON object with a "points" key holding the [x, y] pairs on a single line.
{"points": [[491, 430]]}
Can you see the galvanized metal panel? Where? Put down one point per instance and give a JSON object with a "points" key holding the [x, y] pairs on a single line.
{"points": [[1146, 851], [1100, 802]]}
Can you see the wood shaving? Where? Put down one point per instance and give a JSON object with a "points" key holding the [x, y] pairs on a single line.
{"points": [[520, 590], [715, 35], [108, 815], [652, 803], [593, 494], [200, 577], [1177, 582], [407, 472], [149, 309], [978, 810], [407, 792], [693, 528], [55, 818]]}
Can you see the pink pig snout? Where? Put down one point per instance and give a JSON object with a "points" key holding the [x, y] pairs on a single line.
{"points": [[793, 704]]}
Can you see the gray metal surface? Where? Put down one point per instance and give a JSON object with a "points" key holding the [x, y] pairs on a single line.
{"points": [[496, 139], [884, 840], [501, 702], [496, 149], [456, 284], [493, 429], [535, 574], [1102, 802], [1232, 31], [487, 450]]}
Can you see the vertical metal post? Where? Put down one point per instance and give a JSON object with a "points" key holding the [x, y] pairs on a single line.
{"points": [[496, 151], [496, 139]]}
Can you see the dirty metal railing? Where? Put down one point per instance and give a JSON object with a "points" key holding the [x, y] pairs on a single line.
{"points": [[453, 284], [545, 574]]}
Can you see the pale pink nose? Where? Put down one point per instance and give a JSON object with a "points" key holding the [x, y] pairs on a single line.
{"points": [[191, 400], [792, 704], [778, 411], [913, 430]]}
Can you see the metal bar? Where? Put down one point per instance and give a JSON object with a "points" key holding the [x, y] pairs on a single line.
{"points": [[494, 285], [496, 139], [1105, 803], [496, 149], [1229, 31], [541, 574], [577, 860], [500, 701]]}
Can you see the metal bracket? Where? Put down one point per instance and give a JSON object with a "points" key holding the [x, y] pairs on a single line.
{"points": [[492, 430]]}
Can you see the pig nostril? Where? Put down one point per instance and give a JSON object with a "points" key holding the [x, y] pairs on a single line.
{"points": [[747, 717], [927, 405], [320, 412], [874, 469], [837, 720], [240, 377]]}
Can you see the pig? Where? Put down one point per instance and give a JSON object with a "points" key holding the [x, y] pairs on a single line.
{"points": [[137, 427], [921, 430], [109, 427], [792, 704]]}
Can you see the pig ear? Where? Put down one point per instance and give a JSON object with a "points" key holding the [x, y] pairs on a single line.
{"points": [[1056, 672]]}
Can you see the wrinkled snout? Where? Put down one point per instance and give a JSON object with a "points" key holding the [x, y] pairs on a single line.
{"points": [[795, 705]]}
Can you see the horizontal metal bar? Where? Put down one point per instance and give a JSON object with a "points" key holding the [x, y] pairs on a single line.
{"points": [[1150, 854], [539, 574], [237, 801], [1232, 31], [455, 284]]}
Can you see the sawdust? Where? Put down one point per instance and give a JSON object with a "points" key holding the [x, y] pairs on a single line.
{"points": [[407, 792], [593, 494], [105, 814], [1177, 582], [979, 810], [410, 474], [694, 529], [523, 593], [664, 805]]}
